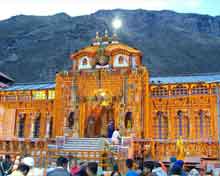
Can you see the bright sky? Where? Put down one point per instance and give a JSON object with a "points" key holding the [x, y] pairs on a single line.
{"points": [[10, 8]]}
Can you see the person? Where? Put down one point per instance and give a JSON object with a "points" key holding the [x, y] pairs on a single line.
{"points": [[110, 128], [22, 170], [194, 172], [29, 161], [147, 168], [172, 161], [6, 166], [82, 170], [74, 167], [92, 169], [61, 169], [158, 171], [16, 164], [116, 137], [130, 172], [177, 168], [115, 171]]}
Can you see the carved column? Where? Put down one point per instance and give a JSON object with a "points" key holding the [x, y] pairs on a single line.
{"points": [[32, 118], [48, 122], [43, 120]]}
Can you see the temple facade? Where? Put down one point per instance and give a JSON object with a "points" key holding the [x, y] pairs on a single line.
{"points": [[108, 83]]}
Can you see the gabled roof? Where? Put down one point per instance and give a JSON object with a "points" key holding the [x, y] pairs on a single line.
{"points": [[109, 49], [205, 78], [33, 86]]}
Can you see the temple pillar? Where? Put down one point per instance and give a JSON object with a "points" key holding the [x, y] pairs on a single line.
{"points": [[42, 124], [32, 118], [191, 123], [82, 119], [48, 122]]}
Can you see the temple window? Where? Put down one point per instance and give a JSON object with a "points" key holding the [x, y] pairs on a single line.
{"points": [[24, 97], [160, 125], [200, 89], [85, 61], [120, 60], [51, 94], [37, 126], [182, 125], [128, 120], [71, 120], [10, 98], [21, 125], [203, 123], [39, 95], [179, 90], [160, 91]]}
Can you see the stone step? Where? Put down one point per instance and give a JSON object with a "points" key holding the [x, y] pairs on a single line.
{"points": [[82, 144]]}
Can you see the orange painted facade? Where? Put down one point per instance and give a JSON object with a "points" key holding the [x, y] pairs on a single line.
{"points": [[108, 82]]}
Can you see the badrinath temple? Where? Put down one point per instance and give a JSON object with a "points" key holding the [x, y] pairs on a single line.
{"points": [[108, 82]]}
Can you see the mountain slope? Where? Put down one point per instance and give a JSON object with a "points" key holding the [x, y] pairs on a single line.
{"points": [[34, 48]]}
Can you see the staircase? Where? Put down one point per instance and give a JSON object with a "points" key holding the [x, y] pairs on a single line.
{"points": [[82, 144], [85, 149]]}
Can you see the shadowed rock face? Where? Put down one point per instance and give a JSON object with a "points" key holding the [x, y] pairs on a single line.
{"points": [[34, 48]]}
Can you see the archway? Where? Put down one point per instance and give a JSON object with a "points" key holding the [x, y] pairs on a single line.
{"points": [[99, 121]]}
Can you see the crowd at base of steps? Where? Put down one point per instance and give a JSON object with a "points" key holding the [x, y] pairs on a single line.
{"points": [[25, 166]]}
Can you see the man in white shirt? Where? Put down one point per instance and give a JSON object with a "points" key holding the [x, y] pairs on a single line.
{"points": [[116, 137]]}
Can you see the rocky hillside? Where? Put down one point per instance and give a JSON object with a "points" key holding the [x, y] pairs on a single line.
{"points": [[34, 48]]}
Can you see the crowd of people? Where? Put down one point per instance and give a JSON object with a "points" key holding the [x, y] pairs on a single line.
{"points": [[25, 166]]}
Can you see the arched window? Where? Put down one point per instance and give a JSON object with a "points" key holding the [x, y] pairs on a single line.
{"points": [[200, 89], [21, 126], [202, 125], [182, 125], [121, 60], [71, 120], [128, 120], [160, 125], [160, 91], [85, 61], [179, 90], [37, 126]]}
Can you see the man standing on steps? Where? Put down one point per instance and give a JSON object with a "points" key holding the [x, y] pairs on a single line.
{"points": [[116, 137], [61, 169], [111, 128]]}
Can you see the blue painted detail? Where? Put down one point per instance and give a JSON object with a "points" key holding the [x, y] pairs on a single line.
{"points": [[206, 78], [36, 86]]}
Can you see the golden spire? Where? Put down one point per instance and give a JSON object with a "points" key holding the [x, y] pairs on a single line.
{"points": [[106, 33], [105, 38], [97, 36], [97, 39], [114, 38]]}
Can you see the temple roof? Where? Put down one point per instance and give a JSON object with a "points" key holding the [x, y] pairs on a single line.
{"points": [[199, 78], [202, 78], [5, 77], [109, 49], [31, 86]]}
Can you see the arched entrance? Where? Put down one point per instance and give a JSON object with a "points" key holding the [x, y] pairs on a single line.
{"points": [[100, 116], [98, 122]]}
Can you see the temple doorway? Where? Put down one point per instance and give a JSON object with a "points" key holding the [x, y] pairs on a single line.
{"points": [[98, 122]]}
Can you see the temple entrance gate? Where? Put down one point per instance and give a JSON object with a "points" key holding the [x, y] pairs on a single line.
{"points": [[99, 114], [97, 121]]}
